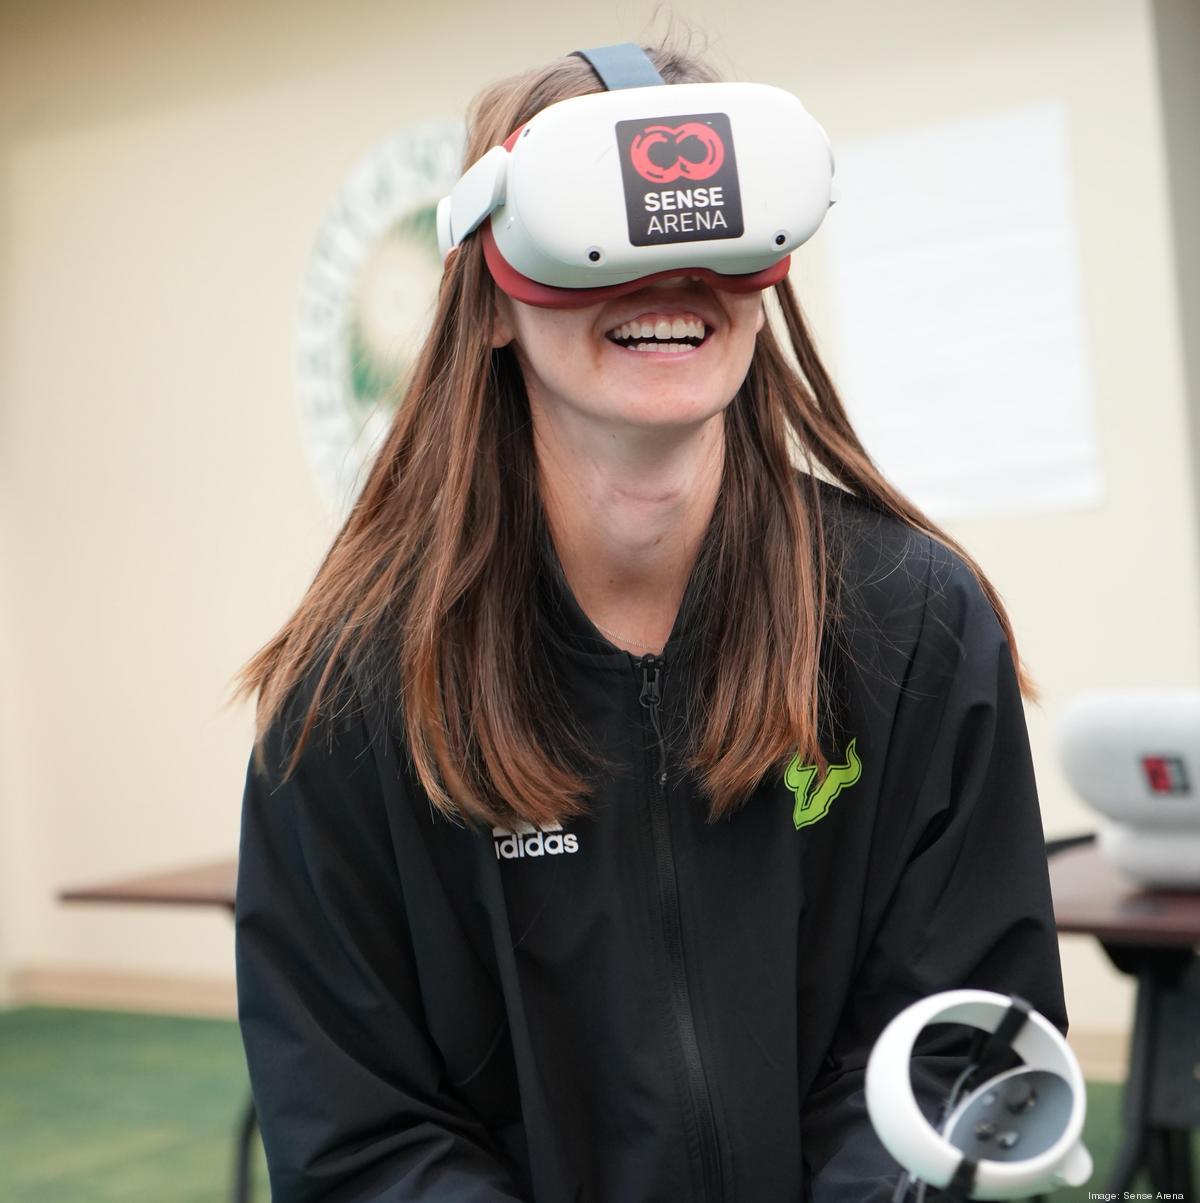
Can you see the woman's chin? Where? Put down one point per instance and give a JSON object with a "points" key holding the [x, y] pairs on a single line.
{"points": [[665, 407]]}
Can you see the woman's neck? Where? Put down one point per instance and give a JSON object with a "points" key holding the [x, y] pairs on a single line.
{"points": [[627, 539]]}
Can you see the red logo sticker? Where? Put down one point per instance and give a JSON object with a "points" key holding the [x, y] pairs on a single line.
{"points": [[663, 153], [1166, 774]]}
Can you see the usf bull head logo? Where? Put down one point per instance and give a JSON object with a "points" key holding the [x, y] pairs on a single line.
{"points": [[812, 804]]}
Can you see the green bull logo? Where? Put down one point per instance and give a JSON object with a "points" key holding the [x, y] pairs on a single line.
{"points": [[813, 805]]}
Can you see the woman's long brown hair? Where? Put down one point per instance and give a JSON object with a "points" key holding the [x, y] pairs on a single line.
{"points": [[427, 591]]}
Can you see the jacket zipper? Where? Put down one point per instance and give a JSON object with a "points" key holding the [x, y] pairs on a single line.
{"points": [[668, 896]]}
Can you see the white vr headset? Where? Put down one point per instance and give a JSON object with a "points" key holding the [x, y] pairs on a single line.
{"points": [[596, 195], [1133, 755], [1015, 1134]]}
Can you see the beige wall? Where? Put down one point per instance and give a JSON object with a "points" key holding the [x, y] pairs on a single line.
{"points": [[162, 170], [1177, 37]]}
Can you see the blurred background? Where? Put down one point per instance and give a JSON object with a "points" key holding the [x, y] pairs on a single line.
{"points": [[180, 185]]}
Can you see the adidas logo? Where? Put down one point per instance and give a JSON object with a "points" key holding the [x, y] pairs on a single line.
{"points": [[528, 840]]}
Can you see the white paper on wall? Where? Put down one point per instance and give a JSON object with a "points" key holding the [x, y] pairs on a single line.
{"points": [[958, 314]]}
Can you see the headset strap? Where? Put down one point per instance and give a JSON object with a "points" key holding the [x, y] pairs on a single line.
{"points": [[624, 65]]}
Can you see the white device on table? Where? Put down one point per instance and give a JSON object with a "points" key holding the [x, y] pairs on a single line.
{"points": [[1133, 755], [1016, 1133]]}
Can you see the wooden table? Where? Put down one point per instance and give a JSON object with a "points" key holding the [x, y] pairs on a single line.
{"points": [[210, 884], [1152, 935]]}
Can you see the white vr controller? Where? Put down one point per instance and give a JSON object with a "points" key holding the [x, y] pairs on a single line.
{"points": [[1014, 1135]]}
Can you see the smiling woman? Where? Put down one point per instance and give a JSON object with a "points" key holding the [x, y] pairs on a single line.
{"points": [[619, 777]]}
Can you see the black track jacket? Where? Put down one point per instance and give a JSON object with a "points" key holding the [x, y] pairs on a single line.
{"points": [[643, 1007]]}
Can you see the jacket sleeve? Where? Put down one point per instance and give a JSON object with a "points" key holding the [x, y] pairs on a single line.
{"points": [[348, 1086], [959, 891]]}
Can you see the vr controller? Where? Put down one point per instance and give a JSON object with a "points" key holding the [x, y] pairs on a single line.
{"points": [[597, 194], [1015, 1133]]}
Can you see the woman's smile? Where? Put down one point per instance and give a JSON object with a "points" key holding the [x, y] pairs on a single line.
{"points": [[613, 359], [669, 333]]}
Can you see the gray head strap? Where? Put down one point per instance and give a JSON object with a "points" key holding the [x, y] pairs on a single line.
{"points": [[624, 65]]}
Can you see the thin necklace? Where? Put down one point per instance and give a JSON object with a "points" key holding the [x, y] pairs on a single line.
{"points": [[622, 638]]}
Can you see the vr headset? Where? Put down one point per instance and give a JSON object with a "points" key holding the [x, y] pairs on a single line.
{"points": [[597, 195]]}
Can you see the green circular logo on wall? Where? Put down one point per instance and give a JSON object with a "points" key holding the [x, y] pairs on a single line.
{"points": [[367, 300]]}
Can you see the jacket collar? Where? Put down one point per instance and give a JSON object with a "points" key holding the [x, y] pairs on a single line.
{"points": [[569, 626]]}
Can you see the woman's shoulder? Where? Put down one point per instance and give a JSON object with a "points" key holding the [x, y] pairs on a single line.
{"points": [[893, 577], [325, 713]]}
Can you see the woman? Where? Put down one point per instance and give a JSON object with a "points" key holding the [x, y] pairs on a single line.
{"points": [[617, 779]]}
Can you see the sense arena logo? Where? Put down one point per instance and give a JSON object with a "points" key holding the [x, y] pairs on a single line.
{"points": [[527, 840], [680, 178], [665, 153]]}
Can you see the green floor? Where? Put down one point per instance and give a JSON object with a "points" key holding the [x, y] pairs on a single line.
{"points": [[110, 1107]]}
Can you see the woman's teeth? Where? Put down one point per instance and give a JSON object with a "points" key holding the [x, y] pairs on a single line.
{"points": [[668, 334]]}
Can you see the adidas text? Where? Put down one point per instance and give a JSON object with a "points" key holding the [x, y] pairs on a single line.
{"points": [[528, 840]]}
